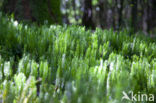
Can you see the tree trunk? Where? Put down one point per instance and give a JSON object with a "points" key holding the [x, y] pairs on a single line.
{"points": [[120, 9], [34, 10], [144, 21], [102, 13], [148, 16], [134, 14], [153, 19], [151, 9], [9, 6], [115, 15], [19, 8], [87, 15], [26, 9]]}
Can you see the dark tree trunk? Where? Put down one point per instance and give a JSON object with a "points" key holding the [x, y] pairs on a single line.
{"points": [[26, 9], [134, 15], [87, 15], [148, 10], [120, 9], [34, 10], [153, 13], [151, 10], [148, 16], [115, 15], [145, 18], [102, 14], [19, 8], [9, 6]]}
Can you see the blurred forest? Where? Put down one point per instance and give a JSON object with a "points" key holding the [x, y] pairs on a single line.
{"points": [[133, 15]]}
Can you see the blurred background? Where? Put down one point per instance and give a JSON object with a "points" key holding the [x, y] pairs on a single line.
{"points": [[133, 15]]}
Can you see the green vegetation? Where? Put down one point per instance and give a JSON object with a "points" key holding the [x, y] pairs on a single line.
{"points": [[71, 65]]}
